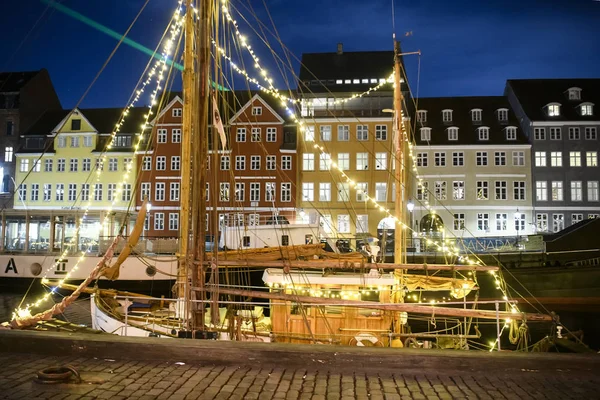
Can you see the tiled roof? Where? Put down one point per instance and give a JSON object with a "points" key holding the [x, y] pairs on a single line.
{"points": [[535, 94], [462, 118], [14, 81], [46, 123]]}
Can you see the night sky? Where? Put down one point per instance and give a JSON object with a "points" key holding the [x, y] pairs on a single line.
{"points": [[468, 47]]}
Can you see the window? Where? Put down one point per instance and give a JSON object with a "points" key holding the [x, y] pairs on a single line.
{"points": [[85, 191], [24, 166], [308, 162], [176, 135], [576, 218], [501, 220], [37, 166], [500, 158], [502, 114], [361, 191], [98, 192], [362, 132], [343, 192], [555, 134], [113, 164], [325, 133], [253, 219], [482, 158], [159, 221], [541, 191], [422, 160], [440, 190], [286, 192], [556, 159], [592, 190], [520, 220], [174, 191], [48, 165], [458, 190], [324, 161], [553, 110], [501, 187], [73, 164], [74, 141], [239, 194], [381, 161], [343, 223], [483, 133], [459, 222], [483, 222], [256, 110], [286, 163], [325, 191], [452, 133], [271, 162], [592, 216], [224, 191], [381, 191], [308, 191], [161, 163], [75, 124], [380, 132], [309, 133], [159, 191], [576, 191], [343, 133], [175, 163], [591, 158], [48, 191], [483, 190], [511, 133], [541, 222], [476, 115], [35, 192], [60, 165], [225, 163], [519, 190], [62, 142], [161, 135], [590, 133], [425, 134], [558, 222], [362, 223], [344, 161], [540, 158], [110, 193], [126, 192], [587, 110], [147, 163], [423, 191], [23, 192], [254, 191], [145, 191], [270, 191], [575, 159], [447, 115], [574, 93], [255, 135], [241, 135], [127, 164], [177, 112], [539, 133], [439, 159], [362, 161], [422, 116], [173, 221], [10, 127], [574, 134], [518, 158]]}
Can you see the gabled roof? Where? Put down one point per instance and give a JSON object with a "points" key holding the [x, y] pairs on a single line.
{"points": [[535, 94], [462, 118], [236, 100], [262, 101], [14, 81]]}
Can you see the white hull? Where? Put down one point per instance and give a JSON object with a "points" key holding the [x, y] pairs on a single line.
{"points": [[259, 236]]}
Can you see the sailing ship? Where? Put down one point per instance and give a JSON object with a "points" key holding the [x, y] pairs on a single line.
{"points": [[306, 297]]}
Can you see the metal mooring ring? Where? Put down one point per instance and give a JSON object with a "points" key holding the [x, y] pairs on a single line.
{"points": [[58, 374]]}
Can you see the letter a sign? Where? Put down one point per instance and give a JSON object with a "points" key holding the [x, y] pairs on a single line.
{"points": [[11, 266]]}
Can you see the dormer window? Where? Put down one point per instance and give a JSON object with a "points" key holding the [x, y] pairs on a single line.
{"points": [[453, 133], [75, 124], [511, 133], [587, 109], [447, 115], [426, 134], [574, 93], [553, 109], [502, 114], [177, 112], [484, 133], [422, 116], [256, 110], [476, 115]]}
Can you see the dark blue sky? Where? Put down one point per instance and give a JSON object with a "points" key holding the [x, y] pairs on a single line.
{"points": [[469, 47]]}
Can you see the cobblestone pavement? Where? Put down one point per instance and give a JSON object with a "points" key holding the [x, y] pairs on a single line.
{"points": [[114, 379]]}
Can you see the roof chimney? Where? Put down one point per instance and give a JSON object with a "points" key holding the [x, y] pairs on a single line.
{"points": [[340, 49]]}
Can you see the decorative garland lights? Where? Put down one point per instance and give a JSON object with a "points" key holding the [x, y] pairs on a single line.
{"points": [[158, 69]]}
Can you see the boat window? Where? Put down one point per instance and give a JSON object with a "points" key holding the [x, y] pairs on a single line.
{"points": [[285, 240], [246, 241]]}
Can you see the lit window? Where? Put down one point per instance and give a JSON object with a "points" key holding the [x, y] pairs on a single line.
{"points": [[553, 110], [587, 109]]}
